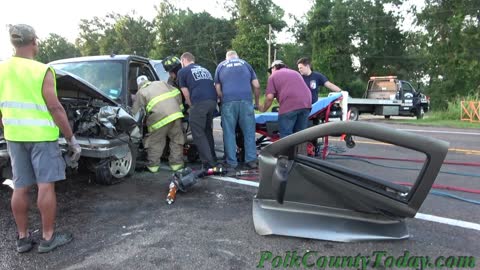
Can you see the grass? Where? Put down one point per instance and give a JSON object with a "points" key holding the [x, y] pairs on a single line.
{"points": [[449, 117]]}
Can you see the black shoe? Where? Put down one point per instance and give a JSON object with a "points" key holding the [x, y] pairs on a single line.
{"points": [[24, 244], [252, 165], [57, 240]]}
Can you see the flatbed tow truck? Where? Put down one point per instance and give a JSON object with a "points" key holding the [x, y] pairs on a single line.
{"points": [[389, 96]]}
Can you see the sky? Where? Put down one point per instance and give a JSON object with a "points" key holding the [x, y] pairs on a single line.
{"points": [[62, 17]]}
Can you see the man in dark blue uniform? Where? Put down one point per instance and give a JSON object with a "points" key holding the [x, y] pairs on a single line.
{"points": [[314, 79], [196, 83]]}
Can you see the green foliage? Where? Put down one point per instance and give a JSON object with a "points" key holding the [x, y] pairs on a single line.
{"points": [[117, 34], [290, 53], [347, 40], [179, 31], [253, 18], [452, 43], [56, 47]]}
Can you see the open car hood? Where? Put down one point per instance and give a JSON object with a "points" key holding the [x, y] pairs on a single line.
{"points": [[71, 86]]}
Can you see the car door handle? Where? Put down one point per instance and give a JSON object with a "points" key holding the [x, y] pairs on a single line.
{"points": [[280, 176]]}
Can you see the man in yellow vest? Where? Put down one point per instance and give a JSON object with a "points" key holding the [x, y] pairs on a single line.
{"points": [[31, 117], [162, 103]]}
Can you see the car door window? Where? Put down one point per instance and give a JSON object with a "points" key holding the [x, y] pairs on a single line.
{"points": [[135, 70], [381, 167]]}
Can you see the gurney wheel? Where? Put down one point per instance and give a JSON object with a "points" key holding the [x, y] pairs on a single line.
{"points": [[349, 141], [192, 153]]}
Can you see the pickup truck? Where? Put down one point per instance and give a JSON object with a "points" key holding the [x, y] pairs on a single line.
{"points": [[389, 96], [96, 93]]}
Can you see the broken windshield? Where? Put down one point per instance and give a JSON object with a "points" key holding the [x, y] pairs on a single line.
{"points": [[104, 75]]}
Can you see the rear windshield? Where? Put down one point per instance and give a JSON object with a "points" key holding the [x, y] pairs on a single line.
{"points": [[162, 74], [387, 85], [105, 75]]}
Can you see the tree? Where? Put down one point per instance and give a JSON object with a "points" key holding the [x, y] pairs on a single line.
{"points": [[381, 48], [117, 34], [56, 47], [337, 32], [328, 35], [128, 35], [178, 31], [451, 40], [252, 20], [91, 31]]}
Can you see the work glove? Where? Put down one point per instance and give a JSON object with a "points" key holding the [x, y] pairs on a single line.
{"points": [[74, 151]]}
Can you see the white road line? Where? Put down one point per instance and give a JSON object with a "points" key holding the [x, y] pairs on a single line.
{"points": [[442, 220], [235, 180], [449, 221], [440, 131]]}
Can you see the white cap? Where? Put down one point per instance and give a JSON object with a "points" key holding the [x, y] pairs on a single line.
{"points": [[275, 63], [141, 80]]}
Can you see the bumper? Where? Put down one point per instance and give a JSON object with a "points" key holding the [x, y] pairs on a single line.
{"points": [[101, 148], [92, 148]]}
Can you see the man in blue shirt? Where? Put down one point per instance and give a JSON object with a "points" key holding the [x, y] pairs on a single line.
{"points": [[234, 80], [314, 79], [197, 87]]}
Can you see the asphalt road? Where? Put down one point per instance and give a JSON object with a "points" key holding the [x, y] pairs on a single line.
{"points": [[129, 225]]}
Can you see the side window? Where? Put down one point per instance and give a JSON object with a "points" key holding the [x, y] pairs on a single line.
{"points": [[136, 69], [146, 70], [407, 87]]}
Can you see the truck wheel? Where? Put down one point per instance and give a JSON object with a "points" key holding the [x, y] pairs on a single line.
{"points": [[111, 171], [420, 113], [387, 116], [353, 114]]}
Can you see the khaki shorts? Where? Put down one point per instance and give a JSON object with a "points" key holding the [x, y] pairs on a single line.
{"points": [[35, 162]]}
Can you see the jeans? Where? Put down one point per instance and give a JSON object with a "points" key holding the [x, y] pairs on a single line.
{"points": [[240, 112], [201, 123], [293, 121]]}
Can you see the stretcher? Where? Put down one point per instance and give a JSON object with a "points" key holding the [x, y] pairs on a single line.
{"points": [[323, 110]]}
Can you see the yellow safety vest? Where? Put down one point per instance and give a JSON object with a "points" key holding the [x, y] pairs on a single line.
{"points": [[25, 115]]}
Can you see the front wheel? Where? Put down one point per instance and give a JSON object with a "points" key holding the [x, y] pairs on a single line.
{"points": [[353, 114], [111, 171], [420, 113]]}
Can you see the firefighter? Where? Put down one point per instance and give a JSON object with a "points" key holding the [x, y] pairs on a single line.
{"points": [[172, 65], [162, 103]]}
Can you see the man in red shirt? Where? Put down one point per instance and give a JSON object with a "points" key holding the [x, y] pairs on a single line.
{"points": [[294, 98]]}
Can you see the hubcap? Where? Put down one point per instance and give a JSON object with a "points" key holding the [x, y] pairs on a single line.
{"points": [[120, 167]]}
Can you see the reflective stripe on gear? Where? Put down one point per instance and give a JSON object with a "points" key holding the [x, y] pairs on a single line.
{"points": [[176, 167], [25, 115], [153, 169], [162, 97], [29, 122], [23, 106], [165, 120]]}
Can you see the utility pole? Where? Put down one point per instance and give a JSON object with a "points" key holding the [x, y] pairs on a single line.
{"points": [[269, 44], [275, 54]]}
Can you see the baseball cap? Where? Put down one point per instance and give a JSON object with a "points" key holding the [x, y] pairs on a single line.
{"points": [[275, 63], [21, 34], [141, 80]]}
